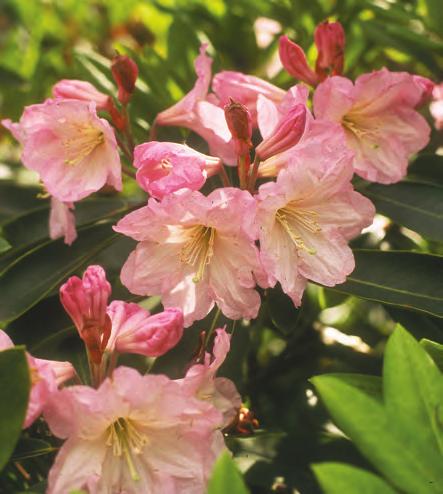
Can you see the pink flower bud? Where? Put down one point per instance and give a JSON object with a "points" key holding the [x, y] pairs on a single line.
{"points": [[136, 331], [239, 123], [294, 61], [330, 40], [125, 73], [85, 300], [427, 88], [82, 91], [286, 134]]}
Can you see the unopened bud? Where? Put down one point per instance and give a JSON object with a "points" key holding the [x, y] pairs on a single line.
{"points": [[294, 61], [125, 72], [329, 38], [239, 123], [286, 134]]}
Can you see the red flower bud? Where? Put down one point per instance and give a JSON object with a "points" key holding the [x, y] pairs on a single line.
{"points": [[329, 38], [125, 72], [239, 123], [294, 61]]}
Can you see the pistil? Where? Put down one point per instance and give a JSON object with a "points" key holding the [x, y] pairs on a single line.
{"points": [[199, 249]]}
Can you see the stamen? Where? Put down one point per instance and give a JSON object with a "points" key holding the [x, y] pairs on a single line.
{"points": [[166, 164], [84, 139], [199, 249], [291, 215], [126, 440], [354, 124]]}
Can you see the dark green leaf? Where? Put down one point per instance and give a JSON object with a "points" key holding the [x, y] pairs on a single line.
{"points": [[4, 245], [226, 478], [14, 392], [338, 478], [427, 168]]}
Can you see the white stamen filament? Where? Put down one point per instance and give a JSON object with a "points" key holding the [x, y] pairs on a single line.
{"points": [[83, 140], [293, 218], [126, 440], [199, 249]]}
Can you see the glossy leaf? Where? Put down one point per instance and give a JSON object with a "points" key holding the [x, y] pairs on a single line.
{"points": [[435, 350], [338, 478], [226, 477], [14, 392]]}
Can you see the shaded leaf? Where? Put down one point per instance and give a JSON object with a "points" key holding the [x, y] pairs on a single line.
{"points": [[226, 478]]}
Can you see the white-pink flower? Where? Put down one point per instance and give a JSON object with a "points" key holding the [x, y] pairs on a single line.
{"points": [[45, 377], [62, 221], [133, 435], [306, 218], [195, 251], [200, 380], [82, 91], [436, 107], [165, 167], [379, 118], [73, 150]]}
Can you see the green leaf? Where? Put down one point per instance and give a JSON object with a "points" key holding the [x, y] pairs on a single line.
{"points": [[404, 462], [435, 350], [226, 478], [414, 205], [427, 168], [44, 268], [4, 245], [282, 311], [413, 390], [14, 392], [338, 478], [405, 279]]}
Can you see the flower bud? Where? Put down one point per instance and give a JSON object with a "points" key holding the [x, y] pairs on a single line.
{"points": [[85, 300], [294, 61], [125, 72], [427, 88], [329, 38], [286, 134], [239, 123], [82, 91]]}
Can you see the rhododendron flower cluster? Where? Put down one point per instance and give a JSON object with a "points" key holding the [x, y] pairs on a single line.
{"points": [[270, 200]]}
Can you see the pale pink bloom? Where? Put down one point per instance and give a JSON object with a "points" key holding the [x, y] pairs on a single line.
{"points": [[135, 330], [82, 91], [379, 120], [62, 221], [45, 377], [200, 380], [426, 86], [86, 302], [265, 30], [195, 251], [436, 107], [244, 89], [306, 218], [73, 150], [165, 167], [133, 435], [198, 114]]}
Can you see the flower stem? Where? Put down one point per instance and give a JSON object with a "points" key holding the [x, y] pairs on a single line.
{"points": [[254, 174], [224, 177]]}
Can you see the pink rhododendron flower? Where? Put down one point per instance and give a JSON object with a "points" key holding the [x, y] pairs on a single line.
{"points": [[194, 112], [244, 89], [135, 330], [62, 221], [73, 150], [195, 251], [135, 434], [86, 301], [45, 377], [165, 167], [436, 107], [82, 91], [306, 218], [201, 382], [426, 86], [378, 117]]}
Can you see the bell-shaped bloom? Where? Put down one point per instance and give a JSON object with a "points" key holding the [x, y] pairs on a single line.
{"points": [[195, 251], [378, 116], [201, 380], [82, 91], [436, 107], [62, 221], [86, 301], [244, 89], [73, 150], [165, 167], [196, 113], [125, 72], [134, 434], [306, 218], [45, 377], [135, 330]]}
